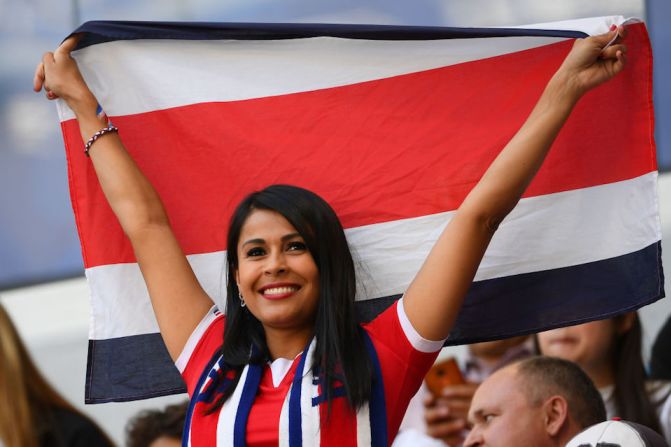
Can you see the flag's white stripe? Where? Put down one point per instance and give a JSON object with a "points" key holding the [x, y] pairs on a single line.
{"points": [[588, 25], [574, 227], [120, 301], [230, 70]]}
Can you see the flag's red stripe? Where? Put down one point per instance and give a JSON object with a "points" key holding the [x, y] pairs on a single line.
{"points": [[377, 151]]}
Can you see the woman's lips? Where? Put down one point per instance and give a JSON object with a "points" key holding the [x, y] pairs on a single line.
{"points": [[279, 291]]}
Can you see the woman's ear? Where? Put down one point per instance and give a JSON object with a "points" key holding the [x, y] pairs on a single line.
{"points": [[625, 322]]}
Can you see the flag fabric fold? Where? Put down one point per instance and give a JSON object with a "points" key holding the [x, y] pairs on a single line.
{"points": [[392, 126]]}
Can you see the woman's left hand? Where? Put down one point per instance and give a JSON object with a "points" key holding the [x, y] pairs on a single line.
{"points": [[59, 75], [592, 62]]}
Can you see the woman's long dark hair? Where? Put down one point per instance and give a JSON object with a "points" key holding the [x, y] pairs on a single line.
{"points": [[340, 354], [631, 397]]}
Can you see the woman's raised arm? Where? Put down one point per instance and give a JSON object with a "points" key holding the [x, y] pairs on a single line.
{"points": [[178, 300], [435, 296]]}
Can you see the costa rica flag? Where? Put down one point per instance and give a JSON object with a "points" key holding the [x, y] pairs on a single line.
{"points": [[393, 126]]}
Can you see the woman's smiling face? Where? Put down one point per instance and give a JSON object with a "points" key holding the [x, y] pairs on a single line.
{"points": [[277, 275], [590, 345]]}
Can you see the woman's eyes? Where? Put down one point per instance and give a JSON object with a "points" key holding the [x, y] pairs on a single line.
{"points": [[256, 251], [296, 246], [291, 246]]}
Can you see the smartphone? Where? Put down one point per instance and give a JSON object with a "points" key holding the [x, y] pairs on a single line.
{"points": [[443, 374]]}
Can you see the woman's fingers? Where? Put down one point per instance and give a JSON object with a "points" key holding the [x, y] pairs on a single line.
{"points": [[59, 76], [611, 51], [67, 46], [603, 40], [38, 79], [622, 32], [614, 58], [621, 61], [611, 38], [47, 58]]}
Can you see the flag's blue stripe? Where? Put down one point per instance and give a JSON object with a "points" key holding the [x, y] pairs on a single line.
{"points": [[137, 367], [130, 368], [107, 31], [533, 302]]}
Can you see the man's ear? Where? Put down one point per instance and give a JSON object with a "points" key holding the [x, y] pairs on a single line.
{"points": [[555, 412]]}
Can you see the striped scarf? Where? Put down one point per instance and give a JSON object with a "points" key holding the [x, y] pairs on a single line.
{"points": [[300, 415]]}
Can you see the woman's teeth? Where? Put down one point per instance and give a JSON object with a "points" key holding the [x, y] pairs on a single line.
{"points": [[279, 290]]}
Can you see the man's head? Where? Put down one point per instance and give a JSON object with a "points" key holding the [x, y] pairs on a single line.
{"points": [[539, 401], [157, 428]]}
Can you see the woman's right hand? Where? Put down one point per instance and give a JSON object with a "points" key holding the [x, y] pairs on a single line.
{"points": [[60, 77], [594, 60]]}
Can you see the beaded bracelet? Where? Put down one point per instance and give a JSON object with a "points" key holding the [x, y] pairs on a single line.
{"points": [[100, 133]]}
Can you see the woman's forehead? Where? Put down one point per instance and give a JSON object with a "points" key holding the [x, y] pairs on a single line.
{"points": [[266, 225]]}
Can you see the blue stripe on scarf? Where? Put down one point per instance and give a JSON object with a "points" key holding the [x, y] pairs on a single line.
{"points": [[194, 399], [337, 392], [378, 409], [219, 383], [378, 414], [249, 390], [295, 416]]}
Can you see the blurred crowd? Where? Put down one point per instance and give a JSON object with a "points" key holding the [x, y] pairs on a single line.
{"points": [[537, 390], [497, 400]]}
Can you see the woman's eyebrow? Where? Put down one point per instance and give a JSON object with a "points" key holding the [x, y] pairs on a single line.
{"points": [[284, 238], [254, 241]]}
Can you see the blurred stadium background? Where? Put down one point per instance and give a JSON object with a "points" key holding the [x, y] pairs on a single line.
{"points": [[41, 273]]}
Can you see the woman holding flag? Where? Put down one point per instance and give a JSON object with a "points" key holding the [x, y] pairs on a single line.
{"points": [[288, 363]]}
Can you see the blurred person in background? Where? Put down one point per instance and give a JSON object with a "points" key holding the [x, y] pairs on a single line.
{"points": [[539, 402], [609, 351], [442, 415], [157, 428], [616, 433], [32, 412], [660, 357]]}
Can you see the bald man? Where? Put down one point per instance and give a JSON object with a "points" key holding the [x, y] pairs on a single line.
{"points": [[539, 401]]}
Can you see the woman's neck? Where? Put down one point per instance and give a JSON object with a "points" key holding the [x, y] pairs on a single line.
{"points": [[287, 343], [602, 376]]}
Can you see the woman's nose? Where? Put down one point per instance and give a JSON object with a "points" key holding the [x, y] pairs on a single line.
{"points": [[276, 263]]}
